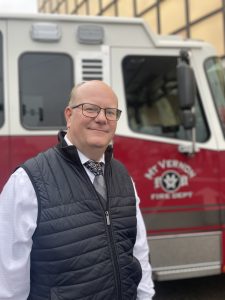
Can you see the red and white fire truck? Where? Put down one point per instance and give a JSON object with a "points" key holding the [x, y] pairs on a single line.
{"points": [[171, 135]]}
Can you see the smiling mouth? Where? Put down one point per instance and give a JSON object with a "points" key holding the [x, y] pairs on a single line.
{"points": [[100, 130]]}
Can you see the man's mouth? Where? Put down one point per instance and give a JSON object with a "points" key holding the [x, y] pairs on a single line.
{"points": [[99, 129]]}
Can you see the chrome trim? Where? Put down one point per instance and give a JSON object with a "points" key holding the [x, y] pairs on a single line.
{"points": [[185, 255], [189, 271]]}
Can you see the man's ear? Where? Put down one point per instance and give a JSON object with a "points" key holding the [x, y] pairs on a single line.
{"points": [[67, 114]]}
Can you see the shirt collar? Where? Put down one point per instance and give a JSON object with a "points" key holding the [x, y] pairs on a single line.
{"points": [[83, 158]]}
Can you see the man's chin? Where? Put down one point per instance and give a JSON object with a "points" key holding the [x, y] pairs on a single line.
{"points": [[99, 145]]}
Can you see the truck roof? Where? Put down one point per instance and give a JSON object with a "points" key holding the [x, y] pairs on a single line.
{"points": [[156, 39]]}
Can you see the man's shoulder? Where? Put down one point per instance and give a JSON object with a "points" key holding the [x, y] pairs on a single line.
{"points": [[39, 157], [117, 162], [119, 165]]}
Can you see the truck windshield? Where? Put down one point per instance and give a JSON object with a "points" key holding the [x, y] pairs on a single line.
{"points": [[152, 98], [216, 77]]}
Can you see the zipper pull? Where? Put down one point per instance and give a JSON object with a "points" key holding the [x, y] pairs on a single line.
{"points": [[107, 217]]}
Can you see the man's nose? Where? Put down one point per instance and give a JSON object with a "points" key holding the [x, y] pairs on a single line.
{"points": [[101, 116]]}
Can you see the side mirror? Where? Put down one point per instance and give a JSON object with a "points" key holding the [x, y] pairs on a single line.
{"points": [[187, 93], [186, 85], [188, 119]]}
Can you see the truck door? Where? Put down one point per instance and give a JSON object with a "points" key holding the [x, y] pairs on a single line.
{"points": [[215, 75], [40, 72], [179, 192], [4, 121]]}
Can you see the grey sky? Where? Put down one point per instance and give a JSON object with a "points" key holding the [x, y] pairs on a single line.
{"points": [[18, 6]]}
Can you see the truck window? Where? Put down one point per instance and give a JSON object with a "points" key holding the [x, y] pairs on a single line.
{"points": [[45, 82], [216, 78], [152, 101], [1, 82]]}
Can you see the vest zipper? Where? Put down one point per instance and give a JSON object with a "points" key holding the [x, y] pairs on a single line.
{"points": [[112, 248], [107, 218], [114, 256], [112, 244]]}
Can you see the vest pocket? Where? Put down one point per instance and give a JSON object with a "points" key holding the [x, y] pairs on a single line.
{"points": [[55, 295], [65, 293]]}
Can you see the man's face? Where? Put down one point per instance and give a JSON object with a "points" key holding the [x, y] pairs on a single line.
{"points": [[89, 134]]}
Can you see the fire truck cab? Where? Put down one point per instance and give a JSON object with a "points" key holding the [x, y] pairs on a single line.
{"points": [[171, 135]]}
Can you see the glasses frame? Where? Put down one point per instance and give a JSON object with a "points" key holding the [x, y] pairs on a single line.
{"points": [[118, 111]]}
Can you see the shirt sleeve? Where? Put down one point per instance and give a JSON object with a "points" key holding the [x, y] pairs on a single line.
{"points": [[141, 252], [18, 215]]}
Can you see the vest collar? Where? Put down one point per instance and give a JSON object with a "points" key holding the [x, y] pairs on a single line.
{"points": [[71, 151]]}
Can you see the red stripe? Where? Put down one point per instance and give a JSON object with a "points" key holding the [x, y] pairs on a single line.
{"points": [[202, 208], [201, 229]]}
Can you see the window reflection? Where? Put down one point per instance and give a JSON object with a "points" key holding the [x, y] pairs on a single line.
{"points": [[215, 75], [152, 98], [46, 80]]}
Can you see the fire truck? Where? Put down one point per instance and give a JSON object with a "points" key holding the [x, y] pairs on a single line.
{"points": [[171, 135]]}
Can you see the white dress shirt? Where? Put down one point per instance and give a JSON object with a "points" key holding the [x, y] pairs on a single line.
{"points": [[18, 221]]}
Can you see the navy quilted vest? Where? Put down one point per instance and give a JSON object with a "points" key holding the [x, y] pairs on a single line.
{"points": [[77, 254]]}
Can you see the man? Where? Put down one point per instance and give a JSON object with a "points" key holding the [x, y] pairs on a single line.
{"points": [[67, 232]]}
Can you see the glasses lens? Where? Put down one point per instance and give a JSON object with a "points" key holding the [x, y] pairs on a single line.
{"points": [[90, 110], [112, 114]]}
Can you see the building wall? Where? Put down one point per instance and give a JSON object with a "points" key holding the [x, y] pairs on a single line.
{"points": [[198, 19]]}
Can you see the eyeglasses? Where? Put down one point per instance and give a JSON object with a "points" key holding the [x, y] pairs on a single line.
{"points": [[92, 111]]}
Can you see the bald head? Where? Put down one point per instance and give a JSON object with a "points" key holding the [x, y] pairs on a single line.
{"points": [[83, 89], [91, 135]]}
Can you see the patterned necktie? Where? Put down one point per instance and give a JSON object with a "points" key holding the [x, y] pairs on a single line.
{"points": [[97, 169]]}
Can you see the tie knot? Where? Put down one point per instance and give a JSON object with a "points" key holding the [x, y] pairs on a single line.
{"points": [[95, 167]]}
